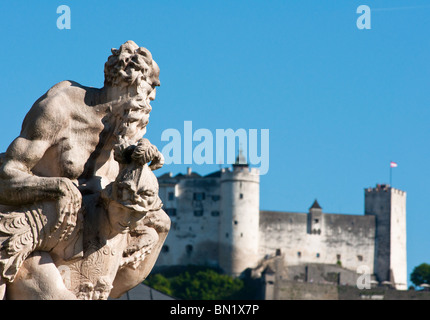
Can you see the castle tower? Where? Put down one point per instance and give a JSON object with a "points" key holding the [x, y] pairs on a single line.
{"points": [[315, 217], [388, 205], [239, 219]]}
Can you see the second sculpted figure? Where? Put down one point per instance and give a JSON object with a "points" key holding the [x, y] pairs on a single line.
{"points": [[80, 214]]}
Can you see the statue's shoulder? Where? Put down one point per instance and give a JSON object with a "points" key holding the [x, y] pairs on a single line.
{"points": [[67, 90], [60, 98], [52, 110]]}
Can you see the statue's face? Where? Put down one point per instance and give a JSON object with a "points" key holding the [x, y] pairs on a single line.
{"points": [[146, 90], [145, 94], [123, 219], [137, 106]]}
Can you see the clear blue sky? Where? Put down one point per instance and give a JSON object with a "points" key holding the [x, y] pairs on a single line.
{"points": [[340, 103]]}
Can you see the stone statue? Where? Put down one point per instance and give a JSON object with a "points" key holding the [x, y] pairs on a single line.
{"points": [[80, 216]]}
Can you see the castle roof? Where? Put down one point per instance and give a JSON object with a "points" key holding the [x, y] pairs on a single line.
{"points": [[269, 270], [190, 175], [215, 174], [315, 205], [166, 175], [240, 160]]}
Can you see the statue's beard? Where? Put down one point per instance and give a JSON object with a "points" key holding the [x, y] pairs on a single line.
{"points": [[132, 118]]}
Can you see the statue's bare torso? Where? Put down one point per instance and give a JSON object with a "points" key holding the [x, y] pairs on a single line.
{"points": [[79, 131]]}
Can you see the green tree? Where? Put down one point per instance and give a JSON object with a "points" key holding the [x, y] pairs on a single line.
{"points": [[160, 283], [197, 284], [421, 274], [206, 285]]}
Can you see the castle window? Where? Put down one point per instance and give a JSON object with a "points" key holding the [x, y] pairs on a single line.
{"points": [[235, 221], [299, 254], [215, 213], [189, 248], [241, 196], [360, 258], [171, 196], [316, 220], [216, 197], [226, 234], [171, 212], [318, 255], [338, 257], [198, 213], [199, 196], [165, 249]]}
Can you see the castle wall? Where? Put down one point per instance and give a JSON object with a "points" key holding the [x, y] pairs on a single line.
{"points": [[292, 290], [377, 204], [193, 238], [398, 239], [347, 240], [286, 231], [388, 206]]}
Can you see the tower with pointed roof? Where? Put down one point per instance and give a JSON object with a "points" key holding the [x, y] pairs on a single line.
{"points": [[315, 217]]}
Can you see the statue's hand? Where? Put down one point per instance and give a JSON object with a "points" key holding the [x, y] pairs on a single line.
{"points": [[157, 161], [68, 205], [146, 152]]}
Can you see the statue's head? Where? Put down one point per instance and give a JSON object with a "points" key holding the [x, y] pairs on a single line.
{"points": [[131, 72], [131, 65]]}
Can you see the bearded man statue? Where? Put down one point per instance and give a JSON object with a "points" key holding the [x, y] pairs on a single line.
{"points": [[64, 156]]}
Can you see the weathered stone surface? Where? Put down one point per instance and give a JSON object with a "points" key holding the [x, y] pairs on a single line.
{"points": [[80, 216]]}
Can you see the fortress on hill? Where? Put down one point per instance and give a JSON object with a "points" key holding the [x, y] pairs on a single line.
{"points": [[217, 221]]}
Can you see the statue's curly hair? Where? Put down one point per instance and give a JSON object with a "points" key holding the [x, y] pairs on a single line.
{"points": [[131, 64]]}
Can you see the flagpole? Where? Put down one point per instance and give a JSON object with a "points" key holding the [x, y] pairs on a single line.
{"points": [[392, 165], [391, 176]]}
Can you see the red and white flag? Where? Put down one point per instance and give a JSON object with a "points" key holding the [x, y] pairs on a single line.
{"points": [[393, 164]]}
